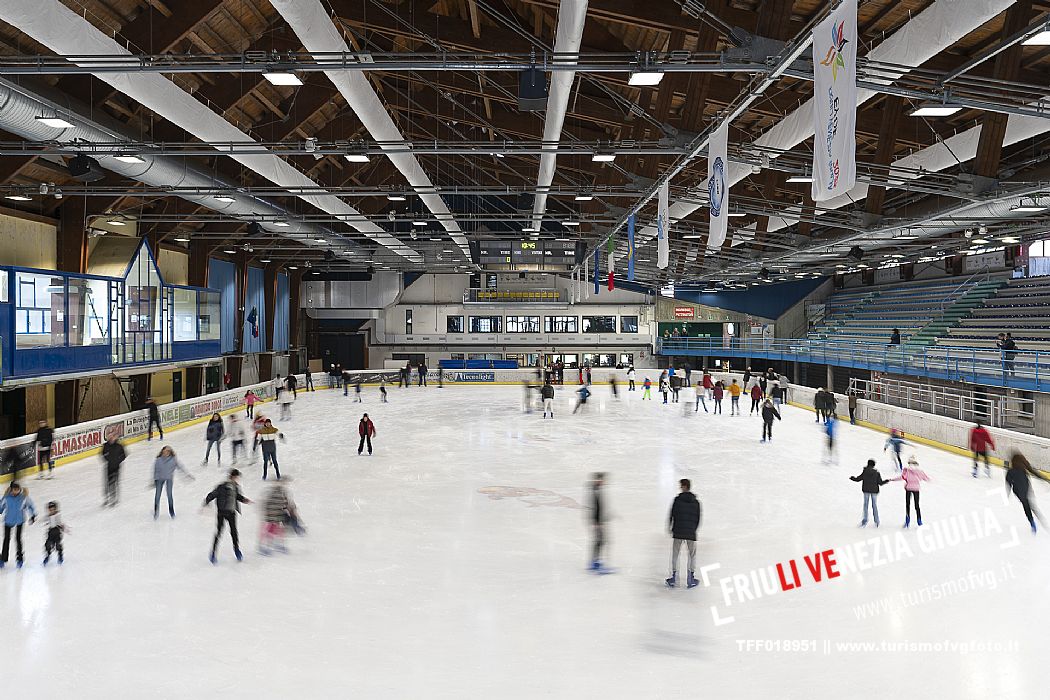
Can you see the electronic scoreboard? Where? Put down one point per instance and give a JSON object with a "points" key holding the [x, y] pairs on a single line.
{"points": [[528, 254]]}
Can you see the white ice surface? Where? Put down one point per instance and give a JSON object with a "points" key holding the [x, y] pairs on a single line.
{"points": [[413, 584]]}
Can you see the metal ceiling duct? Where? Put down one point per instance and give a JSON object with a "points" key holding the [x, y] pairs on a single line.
{"points": [[68, 34], [933, 30], [19, 108], [569, 37], [315, 29]]}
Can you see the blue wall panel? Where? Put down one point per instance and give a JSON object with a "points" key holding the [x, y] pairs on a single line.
{"points": [[255, 299], [222, 275], [280, 314], [767, 301]]}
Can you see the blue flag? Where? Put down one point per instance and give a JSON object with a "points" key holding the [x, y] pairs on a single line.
{"points": [[630, 248], [597, 285]]}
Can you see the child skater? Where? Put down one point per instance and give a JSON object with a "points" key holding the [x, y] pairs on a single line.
{"points": [[830, 428], [647, 387], [756, 398], [1017, 480], [279, 511], [583, 393], [718, 392], [228, 499], [235, 429], [55, 529], [664, 385], [700, 393], [382, 389], [14, 505], [896, 441], [912, 477], [357, 391], [870, 480], [250, 399]]}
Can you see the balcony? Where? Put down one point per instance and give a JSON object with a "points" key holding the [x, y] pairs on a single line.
{"points": [[516, 297]]}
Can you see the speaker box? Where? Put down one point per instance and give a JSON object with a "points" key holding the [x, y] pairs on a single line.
{"points": [[85, 169], [532, 90], [855, 253]]}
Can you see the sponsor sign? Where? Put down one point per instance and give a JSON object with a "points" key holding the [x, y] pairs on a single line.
{"points": [[684, 312]]}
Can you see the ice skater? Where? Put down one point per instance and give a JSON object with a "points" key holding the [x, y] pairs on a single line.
{"points": [[285, 400], [598, 517], [700, 392], [154, 419], [851, 402], [647, 390], [291, 383], [1018, 480], [357, 391], [734, 398], [214, 435], [777, 394], [675, 380], [582, 394], [258, 423], [235, 431], [250, 399], [769, 413], [279, 512], [663, 385], [612, 385], [228, 499], [980, 441], [113, 454], [630, 378], [382, 389], [686, 514], [818, 405], [367, 430], [308, 380], [422, 374], [717, 393], [267, 437], [708, 383], [912, 477], [547, 394], [345, 382], [756, 400], [896, 441], [870, 480], [830, 428], [164, 467], [55, 530], [45, 437], [14, 505]]}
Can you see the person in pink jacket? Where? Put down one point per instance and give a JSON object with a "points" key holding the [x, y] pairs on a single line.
{"points": [[250, 399], [912, 477]]}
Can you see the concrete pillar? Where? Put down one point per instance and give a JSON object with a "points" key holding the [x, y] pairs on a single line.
{"points": [[830, 382], [1042, 414], [71, 256], [270, 301], [242, 296]]}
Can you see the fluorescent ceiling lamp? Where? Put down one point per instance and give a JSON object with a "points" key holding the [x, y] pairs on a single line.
{"points": [[570, 223], [356, 157], [264, 260], [282, 78], [129, 158], [1010, 239], [182, 240], [1031, 207], [645, 78], [1040, 39], [419, 223], [282, 224], [583, 197], [603, 157], [693, 235], [979, 240], [116, 222], [230, 252], [18, 198], [55, 122], [293, 267], [224, 198], [395, 197], [800, 178], [530, 229], [320, 240], [734, 214], [935, 109]]}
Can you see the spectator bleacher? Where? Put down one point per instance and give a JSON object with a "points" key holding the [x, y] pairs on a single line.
{"points": [[1021, 307]]}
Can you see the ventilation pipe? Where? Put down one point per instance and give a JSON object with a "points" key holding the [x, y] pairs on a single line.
{"points": [[318, 33], [933, 30], [19, 109], [571, 17], [68, 34]]}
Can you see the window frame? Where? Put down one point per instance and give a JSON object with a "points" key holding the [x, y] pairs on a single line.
{"points": [[532, 324], [462, 325], [498, 321], [623, 318], [585, 319], [551, 323]]}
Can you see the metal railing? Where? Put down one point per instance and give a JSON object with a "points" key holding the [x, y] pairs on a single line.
{"points": [[1029, 370], [1001, 411]]}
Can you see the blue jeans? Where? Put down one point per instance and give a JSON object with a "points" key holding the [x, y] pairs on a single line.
{"points": [[874, 498], [158, 485]]}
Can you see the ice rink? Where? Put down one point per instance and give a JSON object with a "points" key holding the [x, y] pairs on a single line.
{"points": [[452, 564]]}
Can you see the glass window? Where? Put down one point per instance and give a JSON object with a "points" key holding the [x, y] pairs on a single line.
{"points": [[408, 321], [607, 360], [485, 324], [454, 324], [628, 324], [590, 359], [40, 314], [571, 361], [185, 314], [484, 356], [457, 355], [523, 324], [210, 308], [144, 312], [88, 312], [560, 324], [626, 359], [599, 324], [3, 286]]}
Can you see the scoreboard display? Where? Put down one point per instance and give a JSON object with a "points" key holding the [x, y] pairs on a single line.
{"points": [[528, 253]]}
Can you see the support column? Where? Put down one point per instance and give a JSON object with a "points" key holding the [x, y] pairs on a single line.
{"points": [[270, 301], [71, 256], [197, 276], [295, 286], [242, 296]]}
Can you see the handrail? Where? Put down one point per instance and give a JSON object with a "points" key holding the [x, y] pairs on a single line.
{"points": [[958, 287]]}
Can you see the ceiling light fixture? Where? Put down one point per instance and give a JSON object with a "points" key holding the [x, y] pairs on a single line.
{"points": [[230, 251], [934, 109], [117, 222], [393, 197], [357, 157], [320, 240], [979, 241], [293, 267], [18, 198], [583, 197], [735, 214], [419, 223], [182, 239], [55, 122], [282, 224], [645, 78], [224, 198], [530, 229], [129, 158], [603, 157], [282, 77], [800, 178], [1029, 207], [1040, 39], [570, 222], [264, 260], [1010, 239]]}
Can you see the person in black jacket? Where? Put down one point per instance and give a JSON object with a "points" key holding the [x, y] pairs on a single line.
{"points": [[769, 412], [547, 394], [1018, 481], [818, 405], [422, 374], [686, 513], [228, 499], [870, 480], [292, 382], [154, 418], [45, 437], [214, 434], [113, 454], [598, 518]]}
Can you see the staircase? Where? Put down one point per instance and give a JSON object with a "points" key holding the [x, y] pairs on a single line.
{"points": [[961, 308], [826, 329]]}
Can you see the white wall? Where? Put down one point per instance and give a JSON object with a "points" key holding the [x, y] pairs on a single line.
{"points": [[27, 243]]}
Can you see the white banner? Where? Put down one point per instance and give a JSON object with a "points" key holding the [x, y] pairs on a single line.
{"points": [[835, 94], [663, 222], [718, 187]]}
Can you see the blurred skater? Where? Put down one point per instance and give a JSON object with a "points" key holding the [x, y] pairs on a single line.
{"points": [[582, 394], [228, 499], [830, 428], [279, 513], [912, 477], [285, 400], [598, 518], [870, 480], [686, 514], [235, 430], [980, 441], [1017, 480], [896, 441], [45, 437], [357, 391], [612, 385], [113, 454]]}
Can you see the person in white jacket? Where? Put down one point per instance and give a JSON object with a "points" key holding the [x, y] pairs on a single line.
{"points": [[630, 378], [235, 431]]}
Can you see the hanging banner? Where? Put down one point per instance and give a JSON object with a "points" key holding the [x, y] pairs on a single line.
{"points": [[597, 284], [718, 187], [835, 94], [630, 248], [662, 224], [583, 280], [610, 249]]}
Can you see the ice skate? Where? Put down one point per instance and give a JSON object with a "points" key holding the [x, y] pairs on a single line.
{"points": [[212, 558], [237, 553], [907, 522], [691, 582], [673, 581], [919, 522]]}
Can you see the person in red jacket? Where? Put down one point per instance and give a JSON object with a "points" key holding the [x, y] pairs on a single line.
{"points": [[367, 430], [980, 441], [756, 399]]}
